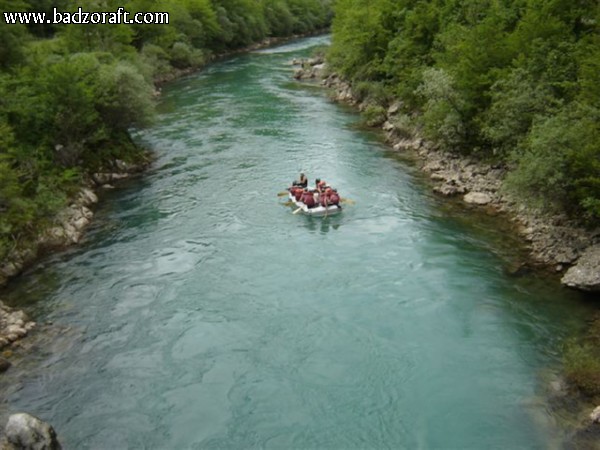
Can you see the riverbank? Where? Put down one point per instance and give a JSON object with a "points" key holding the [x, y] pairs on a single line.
{"points": [[555, 242], [66, 229]]}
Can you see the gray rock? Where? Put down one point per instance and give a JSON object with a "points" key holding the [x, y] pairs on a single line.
{"points": [[27, 432], [387, 126], [585, 275], [101, 178], [87, 197], [477, 198], [394, 108]]}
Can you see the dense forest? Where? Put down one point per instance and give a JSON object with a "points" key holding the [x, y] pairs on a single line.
{"points": [[70, 93], [516, 82]]}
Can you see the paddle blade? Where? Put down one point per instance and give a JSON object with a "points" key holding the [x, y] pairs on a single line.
{"points": [[297, 211], [282, 194], [348, 200]]}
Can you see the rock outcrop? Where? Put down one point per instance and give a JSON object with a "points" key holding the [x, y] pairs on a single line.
{"points": [[585, 274]]}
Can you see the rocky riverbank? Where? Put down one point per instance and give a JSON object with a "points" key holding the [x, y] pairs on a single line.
{"points": [[555, 242], [66, 229]]}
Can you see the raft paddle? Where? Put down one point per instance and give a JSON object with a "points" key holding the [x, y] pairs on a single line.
{"points": [[297, 211], [283, 194], [347, 200]]}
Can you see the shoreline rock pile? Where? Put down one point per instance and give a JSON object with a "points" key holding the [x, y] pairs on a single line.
{"points": [[14, 325]]}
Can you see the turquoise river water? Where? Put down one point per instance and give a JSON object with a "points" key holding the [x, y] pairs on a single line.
{"points": [[201, 313]]}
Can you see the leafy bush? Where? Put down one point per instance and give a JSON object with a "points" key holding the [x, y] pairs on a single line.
{"points": [[374, 115], [183, 56], [442, 116], [371, 92], [404, 125], [559, 163], [516, 101], [582, 367]]}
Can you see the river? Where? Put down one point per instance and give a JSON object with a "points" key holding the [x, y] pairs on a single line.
{"points": [[201, 313]]}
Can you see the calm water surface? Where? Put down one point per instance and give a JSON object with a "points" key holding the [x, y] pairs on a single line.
{"points": [[200, 313]]}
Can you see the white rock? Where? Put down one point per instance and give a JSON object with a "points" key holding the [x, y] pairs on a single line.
{"points": [[27, 432], [387, 126], [88, 197], [394, 108], [585, 275], [81, 223], [477, 198]]}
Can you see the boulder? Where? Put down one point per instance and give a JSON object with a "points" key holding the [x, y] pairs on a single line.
{"points": [[27, 432], [585, 275], [477, 198], [87, 197], [394, 108], [387, 126], [101, 178]]}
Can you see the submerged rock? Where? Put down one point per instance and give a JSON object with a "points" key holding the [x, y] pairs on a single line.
{"points": [[26, 432], [585, 275]]}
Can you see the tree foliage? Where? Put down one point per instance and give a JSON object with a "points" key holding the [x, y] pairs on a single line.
{"points": [[515, 80], [69, 93]]}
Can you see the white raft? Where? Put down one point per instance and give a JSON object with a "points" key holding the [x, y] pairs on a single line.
{"points": [[317, 211]]}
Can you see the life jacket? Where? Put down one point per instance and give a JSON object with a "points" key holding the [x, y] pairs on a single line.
{"points": [[308, 199], [325, 200], [334, 198], [298, 194]]}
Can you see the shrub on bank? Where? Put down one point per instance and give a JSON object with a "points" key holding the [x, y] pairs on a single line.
{"points": [[582, 361]]}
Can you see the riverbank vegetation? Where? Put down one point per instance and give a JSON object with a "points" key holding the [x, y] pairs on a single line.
{"points": [[514, 81], [70, 93], [582, 360]]}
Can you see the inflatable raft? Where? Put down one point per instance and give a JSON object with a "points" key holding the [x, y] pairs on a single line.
{"points": [[318, 211]]}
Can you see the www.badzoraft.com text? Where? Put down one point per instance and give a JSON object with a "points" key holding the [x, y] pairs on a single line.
{"points": [[81, 17]]}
